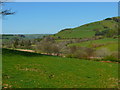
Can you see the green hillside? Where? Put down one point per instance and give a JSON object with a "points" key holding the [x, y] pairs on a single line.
{"points": [[110, 43], [89, 30], [31, 70]]}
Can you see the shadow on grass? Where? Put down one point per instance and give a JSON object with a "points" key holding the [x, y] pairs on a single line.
{"points": [[23, 53]]}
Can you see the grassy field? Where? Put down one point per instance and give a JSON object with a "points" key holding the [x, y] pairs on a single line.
{"points": [[76, 34], [87, 30], [109, 43], [31, 70]]}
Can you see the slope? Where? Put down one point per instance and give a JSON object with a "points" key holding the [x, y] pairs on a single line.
{"points": [[89, 30], [33, 70]]}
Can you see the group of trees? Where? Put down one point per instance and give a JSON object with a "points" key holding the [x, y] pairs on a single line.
{"points": [[116, 19], [17, 43], [79, 52], [48, 45], [91, 53]]}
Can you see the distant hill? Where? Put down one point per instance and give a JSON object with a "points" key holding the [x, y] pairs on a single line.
{"points": [[108, 25], [34, 36], [25, 36]]}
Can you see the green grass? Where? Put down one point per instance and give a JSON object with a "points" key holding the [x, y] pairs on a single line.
{"points": [[87, 30], [31, 70], [76, 34], [110, 43], [112, 47]]}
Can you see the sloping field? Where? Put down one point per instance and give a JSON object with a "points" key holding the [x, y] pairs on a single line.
{"points": [[31, 70], [109, 43], [88, 30]]}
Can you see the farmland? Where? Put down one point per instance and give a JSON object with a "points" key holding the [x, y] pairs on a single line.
{"points": [[33, 70], [110, 43], [80, 57]]}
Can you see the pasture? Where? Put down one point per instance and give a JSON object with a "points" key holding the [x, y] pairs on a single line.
{"points": [[87, 30], [31, 70], [109, 43]]}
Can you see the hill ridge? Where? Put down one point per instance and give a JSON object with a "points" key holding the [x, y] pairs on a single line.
{"points": [[93, 28]]}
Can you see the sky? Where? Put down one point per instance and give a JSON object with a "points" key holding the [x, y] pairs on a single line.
{"points": [[51, 17], [65, 0]]}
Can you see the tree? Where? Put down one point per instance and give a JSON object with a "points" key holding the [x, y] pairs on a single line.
{"points": [[55, 49], [5, 12], [48, 46], [79, 52], [15, 42]]}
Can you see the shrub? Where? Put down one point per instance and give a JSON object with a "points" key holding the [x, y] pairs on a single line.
{"points": [[115, 54], [108, 19], [79, 52], [48, 47], [72, 49], [69, 55], [116, 19], [105, 26], [102, 33], [110, 58], [102, 52]]}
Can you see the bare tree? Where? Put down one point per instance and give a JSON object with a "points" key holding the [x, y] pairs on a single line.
{"points": [[5, 12]]}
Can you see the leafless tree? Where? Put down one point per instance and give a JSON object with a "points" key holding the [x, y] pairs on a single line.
{"points": [[4, 12]]}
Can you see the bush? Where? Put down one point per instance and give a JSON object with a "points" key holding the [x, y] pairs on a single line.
{"points": [[115, 54], [103, 33], [108, 19], [79, 52], [102, 52], [116, 19], [69, 55], [110, 58], [48, 47]]}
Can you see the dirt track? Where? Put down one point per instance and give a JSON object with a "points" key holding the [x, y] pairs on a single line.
{"points": [[25, 50]]}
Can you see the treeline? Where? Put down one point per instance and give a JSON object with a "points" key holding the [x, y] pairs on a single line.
{"points": [[9, 35], [48, 45], [17, 43], [116, 19]]}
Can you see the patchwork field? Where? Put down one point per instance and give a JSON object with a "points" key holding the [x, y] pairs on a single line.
{"points": [[31, 70], [109, 43]]}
